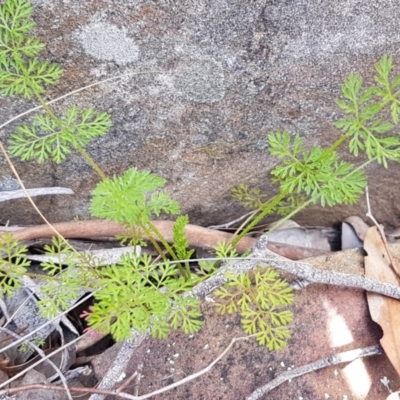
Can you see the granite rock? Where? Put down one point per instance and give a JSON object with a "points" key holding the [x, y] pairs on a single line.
{"points": [[199, 84]]}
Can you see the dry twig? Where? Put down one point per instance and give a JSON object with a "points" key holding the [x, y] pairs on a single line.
{"points": [[45, 359], [346, 356], [262, 256], [18, 194]]}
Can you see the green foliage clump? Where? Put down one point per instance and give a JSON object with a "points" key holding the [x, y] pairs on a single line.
{"points": [[135, 293], [249, 198], [369, 134], [69, 275], [132, 198], [21, 72], [142, 295], [261, 301], [320, 174], [54, 138], [13, 263], [181, 243]]}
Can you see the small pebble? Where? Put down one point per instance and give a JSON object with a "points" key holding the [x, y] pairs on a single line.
{"points": [[122, 377]]}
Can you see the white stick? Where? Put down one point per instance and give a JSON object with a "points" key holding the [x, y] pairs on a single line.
{"points": [[18, 194]]}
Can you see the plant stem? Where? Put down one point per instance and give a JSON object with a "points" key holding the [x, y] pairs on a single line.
{"points": [[91, 162], [162, 240], [334, 146], [157, 233], [362, 166], [246, 221], [149, 235], [46, 107], [290, 215], [271, 204]]}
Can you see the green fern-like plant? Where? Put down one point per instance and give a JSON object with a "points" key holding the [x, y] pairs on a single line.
{"points": [[135, 293], [132, 199], [13, 263], [70, 273], [261, 299], [142, 295], [368, 133], [181, 243], [320, 174], [23, 74], [54, 138]]}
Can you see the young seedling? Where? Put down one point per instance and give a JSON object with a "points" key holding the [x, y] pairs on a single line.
{"points": [[319, 175]]}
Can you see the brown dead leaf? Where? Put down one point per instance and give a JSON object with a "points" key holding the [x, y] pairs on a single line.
{"points": [[384, 310]]}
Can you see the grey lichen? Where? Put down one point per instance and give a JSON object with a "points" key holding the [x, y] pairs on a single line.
{"points": [[109, 43]]}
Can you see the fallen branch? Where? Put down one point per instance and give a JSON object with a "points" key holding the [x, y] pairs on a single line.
{"points": [[208, 238], [262, 256], [197, 235]]}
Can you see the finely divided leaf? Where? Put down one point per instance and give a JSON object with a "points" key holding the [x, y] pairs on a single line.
{"points": [[261, 303], [128, 198], [50, 138], [181, 243], [13, 263]]}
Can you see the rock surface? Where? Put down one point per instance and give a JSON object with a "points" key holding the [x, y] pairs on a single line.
{"points": [[201, 84]]}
